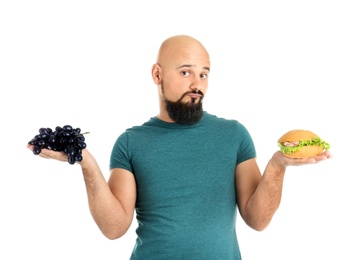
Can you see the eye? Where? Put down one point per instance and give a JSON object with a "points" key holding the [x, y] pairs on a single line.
{"points": [[185, 73], [204, 76]]}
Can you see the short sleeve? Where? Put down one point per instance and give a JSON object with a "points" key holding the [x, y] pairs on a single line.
{"points": [[120, 156], [247, 148]]}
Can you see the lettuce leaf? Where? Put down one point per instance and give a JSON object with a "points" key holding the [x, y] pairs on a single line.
{"points": [[291, 149]]}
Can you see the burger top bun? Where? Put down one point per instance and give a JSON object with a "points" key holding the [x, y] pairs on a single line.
{"points": [[301, 143], [297, 135]]}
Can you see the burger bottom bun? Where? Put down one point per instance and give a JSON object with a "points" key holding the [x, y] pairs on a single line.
{"points": [[306, 152]]}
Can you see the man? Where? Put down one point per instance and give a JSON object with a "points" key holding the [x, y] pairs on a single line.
{"points": [[185, 172]]}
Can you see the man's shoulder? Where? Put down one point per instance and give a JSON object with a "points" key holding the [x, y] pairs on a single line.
{"points": [[220, 120]]}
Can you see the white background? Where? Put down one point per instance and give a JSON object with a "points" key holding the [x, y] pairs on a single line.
{"points": [[275, 66]]}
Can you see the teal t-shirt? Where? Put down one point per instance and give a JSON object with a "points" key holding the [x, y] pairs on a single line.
{"points": [[186, 204]]}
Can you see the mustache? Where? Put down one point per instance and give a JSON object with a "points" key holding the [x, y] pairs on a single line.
{"points": [[192, 92]]}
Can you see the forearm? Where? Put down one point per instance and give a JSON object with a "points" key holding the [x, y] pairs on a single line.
{"points": [[105, 208], [265, 201]]}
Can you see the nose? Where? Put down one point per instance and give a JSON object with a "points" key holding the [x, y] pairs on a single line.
{"points": [[196, 83]]}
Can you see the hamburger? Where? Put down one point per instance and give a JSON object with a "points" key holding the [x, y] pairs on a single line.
{"points": [[301, 143]]}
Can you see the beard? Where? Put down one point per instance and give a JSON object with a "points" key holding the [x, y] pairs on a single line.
{"points": [[182, 113]]}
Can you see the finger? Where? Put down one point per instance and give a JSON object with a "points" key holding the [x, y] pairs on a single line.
{"points": [[46, 153], [302, 161]]}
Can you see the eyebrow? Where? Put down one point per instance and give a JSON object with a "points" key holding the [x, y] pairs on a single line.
{"points": [[190, 66]]}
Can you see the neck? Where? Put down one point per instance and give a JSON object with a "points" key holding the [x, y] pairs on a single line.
{"points": [[163, 114]]}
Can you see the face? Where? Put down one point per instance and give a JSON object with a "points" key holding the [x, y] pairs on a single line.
{"points": [[183, 84]]}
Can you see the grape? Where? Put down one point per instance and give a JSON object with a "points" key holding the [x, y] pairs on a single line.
{"points": [[63, 139]]}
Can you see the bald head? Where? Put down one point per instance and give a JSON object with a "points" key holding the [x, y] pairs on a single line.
{"points": [[181, 47]]}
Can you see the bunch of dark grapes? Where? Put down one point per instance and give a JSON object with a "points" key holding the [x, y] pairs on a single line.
{"points": [[66, 139]]}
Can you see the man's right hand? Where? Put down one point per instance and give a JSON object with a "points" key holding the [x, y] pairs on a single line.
{"points": [[49, 154]]}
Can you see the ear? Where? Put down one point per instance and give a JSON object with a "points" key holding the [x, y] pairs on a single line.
{"points": [[156, 73]]}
